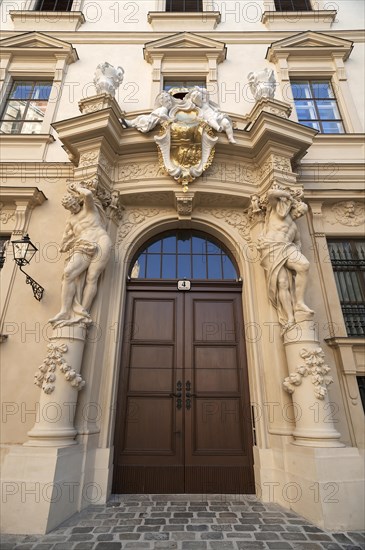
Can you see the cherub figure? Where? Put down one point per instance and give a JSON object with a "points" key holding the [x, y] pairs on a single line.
{"points": [[107, 78], [146, 123], [262, 84], [210, 112]]}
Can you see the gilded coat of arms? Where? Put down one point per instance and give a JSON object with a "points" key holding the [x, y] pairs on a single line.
{"points": [[187, 137]]}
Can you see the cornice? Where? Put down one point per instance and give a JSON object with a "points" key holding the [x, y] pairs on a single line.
{"points": [[31, 195], [229, 37]]}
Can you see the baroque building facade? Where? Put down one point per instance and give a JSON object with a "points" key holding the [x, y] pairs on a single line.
{"points": [[209, 280]]}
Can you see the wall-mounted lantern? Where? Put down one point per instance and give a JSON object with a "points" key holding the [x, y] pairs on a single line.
{"points": [[24, 251]]}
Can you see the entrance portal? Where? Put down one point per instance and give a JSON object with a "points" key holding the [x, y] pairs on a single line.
{"points": [[183, 422]]}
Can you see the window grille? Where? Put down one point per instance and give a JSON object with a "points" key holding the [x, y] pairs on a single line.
{"points": [[293, 5], [184, 5], [54, 5], [348, 262]]}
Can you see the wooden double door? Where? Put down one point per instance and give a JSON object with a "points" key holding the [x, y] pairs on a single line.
{"points": [[183, 413]]}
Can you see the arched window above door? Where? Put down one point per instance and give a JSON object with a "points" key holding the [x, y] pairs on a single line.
{"points": [[184, 254]]}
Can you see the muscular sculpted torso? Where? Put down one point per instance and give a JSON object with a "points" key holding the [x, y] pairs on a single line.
{"points": [[286, 267], [88, 246]]}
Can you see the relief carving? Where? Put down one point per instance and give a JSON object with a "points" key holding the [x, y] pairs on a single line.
{"points": [[5, 214], [235, 218], [134, 217], [107, 78], [262, 84], [140, 170], [45, 377], [89, 158], [348, 213], [315, 367]]}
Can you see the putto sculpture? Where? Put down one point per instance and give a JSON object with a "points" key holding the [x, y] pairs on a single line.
{"points": [[262, 84], [88, 248], [107, 78], [187, 139], [280, 248]]}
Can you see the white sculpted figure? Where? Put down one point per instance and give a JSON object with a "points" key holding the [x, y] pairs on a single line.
{"points": [[107, 78], [146, 123], [286, 267], [88, 246], [210, 112], [262, 84]]}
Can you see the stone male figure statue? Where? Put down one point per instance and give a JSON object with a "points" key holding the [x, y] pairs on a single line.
{"points": [[88, 246], [286, 267]]}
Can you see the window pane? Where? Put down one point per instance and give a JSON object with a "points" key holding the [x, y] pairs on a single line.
{"points": [[169, 244], [199, 267], [14, 110], [169, 266], [199, 245], [322, 89], [333, 128], [31, 128], [42, 90], [153, 270], [314, 125], [229, 271], [184, 245], [154, 247], [184, 266], [328, 110], [301, 90], [36, 110], [305, 110], [212, 248], [214, 267], [21, 90], [10, 127]]}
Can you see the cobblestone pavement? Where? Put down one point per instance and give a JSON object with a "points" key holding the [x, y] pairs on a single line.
{"points": [[186, 522]]}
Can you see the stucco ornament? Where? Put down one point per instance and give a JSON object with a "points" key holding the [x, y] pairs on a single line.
{"points": [[279, 245], [186, 140], [262, 84], [107, 78], [88, 248], [315, 367], [45, 377], [348, 213]]}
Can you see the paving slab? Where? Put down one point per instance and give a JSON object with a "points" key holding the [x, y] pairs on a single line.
{"points": [[186, 522]]}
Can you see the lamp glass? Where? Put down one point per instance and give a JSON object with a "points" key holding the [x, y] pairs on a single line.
{"points": [[24, 250]]}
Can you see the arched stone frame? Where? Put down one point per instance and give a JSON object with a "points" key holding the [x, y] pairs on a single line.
{"points": [[154, 222]]}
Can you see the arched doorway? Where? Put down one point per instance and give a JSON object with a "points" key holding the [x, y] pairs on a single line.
{"points": [[183, 413]]}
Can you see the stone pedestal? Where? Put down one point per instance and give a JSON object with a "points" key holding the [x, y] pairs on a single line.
{"points": [[60, 380], [307, 382], [41, 488]]}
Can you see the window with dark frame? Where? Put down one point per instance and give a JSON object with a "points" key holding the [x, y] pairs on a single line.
{"points": [[348, 263], [184, 5], [4, 243], [316, 105], [53, 5], [293, 5], [25, 107], [183, 254]]}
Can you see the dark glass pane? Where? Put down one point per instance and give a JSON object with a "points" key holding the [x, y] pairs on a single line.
{"points": [[153, 266], [184, 266], [229, 271], [169, 266], [199, 267], [169, 244], [183, 245], [54, 5], [199, 245], [155, 247], [214, 267]]}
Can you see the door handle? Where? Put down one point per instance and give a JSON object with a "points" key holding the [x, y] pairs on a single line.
{"points": [[188, 395], [178, 394]]}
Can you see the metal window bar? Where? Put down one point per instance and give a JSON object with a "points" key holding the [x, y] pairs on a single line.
{"points": [[184, 5], [54, 5], [293, 5], [348, 263]]}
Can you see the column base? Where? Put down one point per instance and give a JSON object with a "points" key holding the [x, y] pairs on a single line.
{"points": [[324, 485], [41, 488], [51, 438]]}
